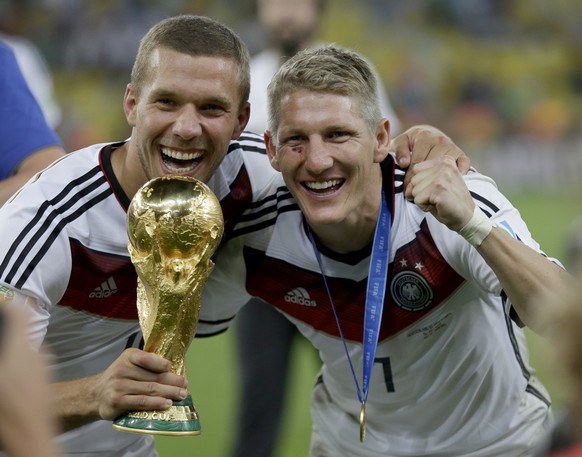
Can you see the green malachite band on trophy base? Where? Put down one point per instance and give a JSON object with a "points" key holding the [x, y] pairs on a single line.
{"points": [[180, 419]]}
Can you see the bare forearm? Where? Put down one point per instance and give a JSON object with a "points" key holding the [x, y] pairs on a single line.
{"points": [[531, 281], [76, 403]]}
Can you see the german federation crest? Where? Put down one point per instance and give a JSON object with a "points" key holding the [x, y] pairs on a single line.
{"points": [[410, 291]]}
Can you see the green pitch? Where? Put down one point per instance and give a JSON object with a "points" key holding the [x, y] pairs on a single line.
{"points": [[213, 370], [213, 373]]}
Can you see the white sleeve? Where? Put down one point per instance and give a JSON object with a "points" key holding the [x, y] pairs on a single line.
{"points": [[224, 293], [38, 312], [35, 250]]}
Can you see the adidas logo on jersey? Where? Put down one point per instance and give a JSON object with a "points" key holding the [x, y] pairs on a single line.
{"points": [[106, 289], [300, 297]]}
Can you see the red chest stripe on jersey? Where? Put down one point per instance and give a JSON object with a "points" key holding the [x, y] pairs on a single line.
{"points": [[238, 200], [301, 293], [101, 284]]}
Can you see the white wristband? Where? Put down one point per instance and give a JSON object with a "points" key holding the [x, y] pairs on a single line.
{"points": [[477, 229]]}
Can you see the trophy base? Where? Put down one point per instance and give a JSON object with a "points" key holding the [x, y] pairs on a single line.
{"points": [[180, 419]]}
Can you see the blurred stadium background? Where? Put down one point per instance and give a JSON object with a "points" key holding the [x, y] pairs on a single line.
{"points": [[502, 77]]}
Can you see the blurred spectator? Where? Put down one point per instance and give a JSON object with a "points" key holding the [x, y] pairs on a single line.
{"points": [[573, 256], [31, 62], [427, 52], [37, 76], [566, 336], [28, 143], [290, 26], [27, 427]]}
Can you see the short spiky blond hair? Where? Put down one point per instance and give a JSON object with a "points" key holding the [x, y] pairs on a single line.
{"points": [[326, 69]]}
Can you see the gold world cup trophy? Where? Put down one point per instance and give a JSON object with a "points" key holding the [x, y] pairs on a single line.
{"points": [[174, 225]]}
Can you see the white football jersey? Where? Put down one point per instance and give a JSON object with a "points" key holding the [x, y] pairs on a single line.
{"points": [[63, 252], [451, 374]]}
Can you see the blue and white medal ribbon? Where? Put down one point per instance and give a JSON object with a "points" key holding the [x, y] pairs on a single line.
{"points": [[376, 288]]}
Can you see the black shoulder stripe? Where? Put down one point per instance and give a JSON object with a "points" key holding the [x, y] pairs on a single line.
{"points": [[511, 334], [214, 322], [258, 145], [275, 203], [486, 202], [49, 241], [525, 372], [264, 223], [41, 211], [250, 136], [217, 322], [208, 335], [536, 393], [398, 181], [246, 147], [280, 194]]}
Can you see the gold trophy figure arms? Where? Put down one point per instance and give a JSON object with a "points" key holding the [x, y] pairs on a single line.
{"points": [[174, 225]]}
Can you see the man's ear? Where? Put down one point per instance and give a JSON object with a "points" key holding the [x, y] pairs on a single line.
{"points": [[243, 119], [382, 140], [129, 104], [271, 150]]}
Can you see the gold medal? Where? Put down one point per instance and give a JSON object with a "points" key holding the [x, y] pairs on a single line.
{"points": [[362, 422]]}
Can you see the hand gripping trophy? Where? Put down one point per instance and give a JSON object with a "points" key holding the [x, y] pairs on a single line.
{"points": [[174, 225]]}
